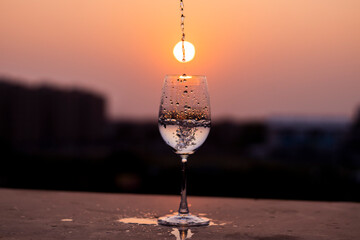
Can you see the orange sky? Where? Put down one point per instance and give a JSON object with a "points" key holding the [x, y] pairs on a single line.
{"points": [[261, 57]]}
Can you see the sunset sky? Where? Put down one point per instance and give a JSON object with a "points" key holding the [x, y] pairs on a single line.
{"points": [[261, 58]]}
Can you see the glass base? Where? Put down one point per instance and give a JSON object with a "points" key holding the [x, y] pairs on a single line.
{"points": [[183, 220]]}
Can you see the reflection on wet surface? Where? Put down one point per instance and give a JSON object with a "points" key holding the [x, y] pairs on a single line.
{"points": [[182, 233]]}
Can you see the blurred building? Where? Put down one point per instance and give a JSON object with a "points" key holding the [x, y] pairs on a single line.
{"points": [[40, 118], [351, 150], [303, 138]]}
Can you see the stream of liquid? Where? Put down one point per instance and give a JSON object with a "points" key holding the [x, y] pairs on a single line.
{"points": [[182, 29]]}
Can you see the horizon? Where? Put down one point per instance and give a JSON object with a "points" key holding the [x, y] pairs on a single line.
{"points": [[274, 117]]}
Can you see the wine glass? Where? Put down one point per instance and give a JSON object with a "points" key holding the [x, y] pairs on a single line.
{"points": [[184, 124]]}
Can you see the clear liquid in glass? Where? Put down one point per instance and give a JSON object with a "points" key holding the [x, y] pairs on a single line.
{"points": [[184, 136]]}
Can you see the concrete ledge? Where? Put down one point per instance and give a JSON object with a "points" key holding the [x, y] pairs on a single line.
{"points": [[29, 214]]}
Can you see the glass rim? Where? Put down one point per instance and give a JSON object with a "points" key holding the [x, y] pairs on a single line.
{"points": [[179, 75]]}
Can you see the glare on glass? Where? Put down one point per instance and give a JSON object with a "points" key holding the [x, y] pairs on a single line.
{"points": [[184, 124]]}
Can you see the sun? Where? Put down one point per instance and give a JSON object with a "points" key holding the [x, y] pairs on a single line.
{"points": [[189, 51]]}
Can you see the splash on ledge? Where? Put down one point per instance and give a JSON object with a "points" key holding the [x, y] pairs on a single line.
{"points": [[153, 221]]}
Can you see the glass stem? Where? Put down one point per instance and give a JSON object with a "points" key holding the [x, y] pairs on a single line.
{"points": [[183, 209]]}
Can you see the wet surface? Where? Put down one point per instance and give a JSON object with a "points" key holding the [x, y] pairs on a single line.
{"points": [[40, 215], [144, 221]]}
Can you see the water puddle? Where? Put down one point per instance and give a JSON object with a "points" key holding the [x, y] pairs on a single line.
{"points": [[216, 224], [66, 220], [150, 221], [141, 221]]}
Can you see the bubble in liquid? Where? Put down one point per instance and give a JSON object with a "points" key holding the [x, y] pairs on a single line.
{"points": [[185, 92], [177, 104]]}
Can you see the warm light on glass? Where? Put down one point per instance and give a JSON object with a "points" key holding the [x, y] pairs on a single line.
{"points": [[189, 51], [185, 77]]}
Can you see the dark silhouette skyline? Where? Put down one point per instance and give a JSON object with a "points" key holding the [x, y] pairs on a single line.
{"points": [[44, 117], [62, 139]]}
